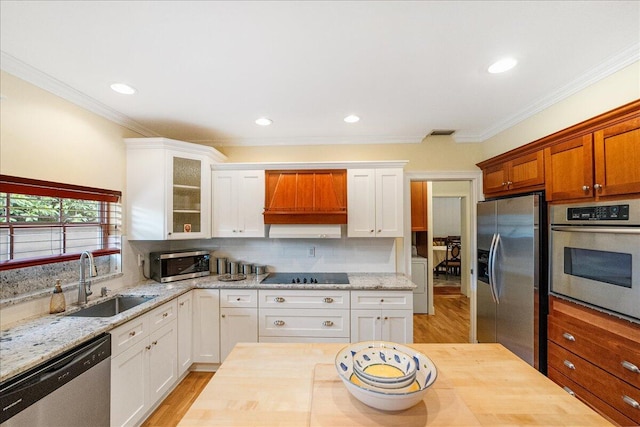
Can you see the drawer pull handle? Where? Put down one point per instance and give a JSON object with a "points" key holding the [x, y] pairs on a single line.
{"points": [[328, 300], [630, 366], [238, 299], [327, 323], [279, 322], [155, 342], [148, 347], [132, 333], [631, 402], [278, 299], [181, 304], [568, 336], [568, 390], [165, 314], [569, 365]]}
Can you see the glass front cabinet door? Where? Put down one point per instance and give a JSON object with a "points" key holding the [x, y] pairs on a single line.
{"points": [[186, 214]]}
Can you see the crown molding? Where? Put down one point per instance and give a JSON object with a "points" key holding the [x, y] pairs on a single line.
{"points": [[13, 65], [348, 164], [612, 65]]}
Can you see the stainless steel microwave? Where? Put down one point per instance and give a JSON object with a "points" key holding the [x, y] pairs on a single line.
{"points": [[595, 255], [167, 267]]}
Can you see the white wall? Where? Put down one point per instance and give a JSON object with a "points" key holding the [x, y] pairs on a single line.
{"points": [[446, 216]]}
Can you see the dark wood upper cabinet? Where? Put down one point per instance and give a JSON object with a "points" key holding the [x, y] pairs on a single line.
{"points": [[306, 197], [418, 206]]}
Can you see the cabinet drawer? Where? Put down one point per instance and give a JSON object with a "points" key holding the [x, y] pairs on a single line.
{"points": [[160, 316], [128, 334], [602, 348], [589, 399], [303, 339], [612, 390], [385, 299], [238, 298], [304, 323], [304, 299]]}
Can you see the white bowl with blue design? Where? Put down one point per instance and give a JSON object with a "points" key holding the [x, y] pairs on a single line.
{"points": [[384, 367], [386, 399]]}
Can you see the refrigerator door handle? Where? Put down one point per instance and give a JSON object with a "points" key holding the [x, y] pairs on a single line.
{"points": [[494, 282], [491, 270]]}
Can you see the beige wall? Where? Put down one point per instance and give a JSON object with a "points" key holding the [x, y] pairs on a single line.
{"points": [[434, 153], [46, 137], [607, 94]]}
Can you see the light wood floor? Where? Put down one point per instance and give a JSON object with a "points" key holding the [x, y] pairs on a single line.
{"points": [[450, 324]]}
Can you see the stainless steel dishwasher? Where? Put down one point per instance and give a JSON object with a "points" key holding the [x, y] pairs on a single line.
{"points": [[72, 389]]}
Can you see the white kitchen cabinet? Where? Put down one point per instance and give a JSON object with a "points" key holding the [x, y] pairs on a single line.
{"points": [[238, 203], [419, 277], [185, 332], [168, 189], [303, 315], [129, 379], [143, 364], [375, 200], [238, 318], [206, 326], [382, 315]]}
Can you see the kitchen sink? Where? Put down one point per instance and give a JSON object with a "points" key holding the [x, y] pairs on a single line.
{"points": [[112, 306]]}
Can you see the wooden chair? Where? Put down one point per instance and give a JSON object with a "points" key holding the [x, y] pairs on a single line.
{"points": [[452, 261]]}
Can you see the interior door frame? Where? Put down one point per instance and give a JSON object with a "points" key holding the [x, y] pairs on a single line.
{"points": [[475, 195]]}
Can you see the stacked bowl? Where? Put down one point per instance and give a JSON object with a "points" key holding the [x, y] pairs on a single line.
{"points": [[385, 375]]}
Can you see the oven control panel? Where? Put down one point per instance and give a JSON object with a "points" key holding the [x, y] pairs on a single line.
{"points": [[599, 213]]}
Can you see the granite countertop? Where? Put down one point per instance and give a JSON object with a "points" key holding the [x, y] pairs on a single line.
{"points": [[33, 341]]}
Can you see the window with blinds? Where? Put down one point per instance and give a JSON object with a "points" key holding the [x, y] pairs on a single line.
{"points": [[43, 222]]}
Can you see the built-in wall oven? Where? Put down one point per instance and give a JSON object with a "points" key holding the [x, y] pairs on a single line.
{"points": [[595, 255]]}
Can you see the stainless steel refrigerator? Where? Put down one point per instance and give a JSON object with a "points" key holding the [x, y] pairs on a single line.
{"points": [[512, 276]]}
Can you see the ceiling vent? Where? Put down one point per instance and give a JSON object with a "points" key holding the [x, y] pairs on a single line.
{"points": [[442, 132]]}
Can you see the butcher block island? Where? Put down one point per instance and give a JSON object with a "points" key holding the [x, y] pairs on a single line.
{"points": [[263, 384]]}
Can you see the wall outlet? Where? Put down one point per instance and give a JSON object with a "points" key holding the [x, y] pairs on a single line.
{"points": [[140, 259], [311, 252]]}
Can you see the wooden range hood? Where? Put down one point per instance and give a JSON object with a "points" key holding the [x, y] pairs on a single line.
{"points": [[306, 196]]}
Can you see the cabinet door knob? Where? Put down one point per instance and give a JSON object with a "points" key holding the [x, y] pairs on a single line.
{"points": [[379, 230], [569, 365], [165, 314], [328, 300], [279, 322], [381, 299], [371, 231], [631, 402], [132, 333], [630, 366], [568, 336], [155, 343], [148, 347], [386, 318], [597, 186], [223, 316], [509, 183], [327, 323], [378, 318], [239, 231], [504, 183], [181, 304], [278, 299], [568, 390], [585, 188], [238, 299]]}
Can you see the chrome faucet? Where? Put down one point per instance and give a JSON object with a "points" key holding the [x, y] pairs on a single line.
{"points": [[84, 288]]}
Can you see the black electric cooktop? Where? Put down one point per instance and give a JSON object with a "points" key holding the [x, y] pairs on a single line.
{"points": [[311, 278]]}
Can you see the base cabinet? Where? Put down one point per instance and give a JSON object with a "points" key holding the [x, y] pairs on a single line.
{"points": [[206, 326], [238, 318], [185, 332], [143, 367], [596, 357], [377, 315]]}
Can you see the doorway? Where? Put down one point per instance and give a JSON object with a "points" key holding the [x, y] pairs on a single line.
{"points": [[459, 191]]}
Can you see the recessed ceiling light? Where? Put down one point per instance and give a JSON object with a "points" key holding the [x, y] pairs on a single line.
{"points": [[502, 65], [263, 121], [123, 88], [351, 119]]}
